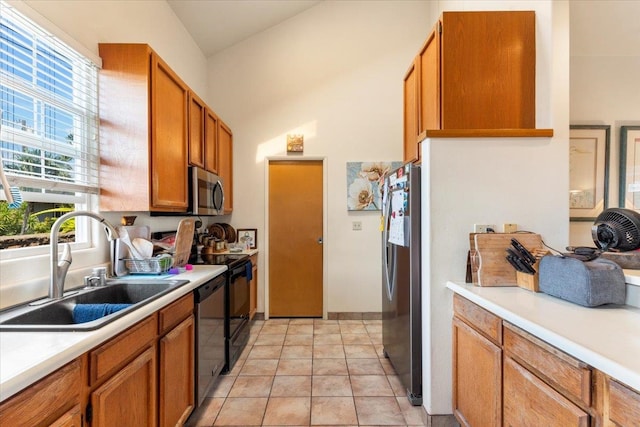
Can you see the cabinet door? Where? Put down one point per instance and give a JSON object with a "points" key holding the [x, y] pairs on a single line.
{"points": [[411, 114], [477, 378], [168, 139], [429, 83], [488, 70], [71, 418], [196, 131], [129, 397], [253, 288], [177, 360], [48, 398], [624, 405], [211, 142], [528, 401], [225, 164]]}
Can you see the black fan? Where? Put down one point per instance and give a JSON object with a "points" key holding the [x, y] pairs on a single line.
{"points": [[617, 229]]}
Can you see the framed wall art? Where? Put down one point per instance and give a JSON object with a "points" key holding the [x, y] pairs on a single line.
{"points": [[629, 167], [248, 237], [364, 184], [588, 171]]}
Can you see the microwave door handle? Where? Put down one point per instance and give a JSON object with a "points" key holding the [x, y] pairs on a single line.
{"points": [[217, 187]]}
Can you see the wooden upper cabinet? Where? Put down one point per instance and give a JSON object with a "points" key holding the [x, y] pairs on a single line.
{"points": [[428, 62], [211, 141], [169, 96], [225, 164], [197, 110], [474, 77], [143, 132], [488, 63], [411, 114]]}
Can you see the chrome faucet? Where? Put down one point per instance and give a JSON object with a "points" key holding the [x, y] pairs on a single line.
{"points": [[59, 268]]}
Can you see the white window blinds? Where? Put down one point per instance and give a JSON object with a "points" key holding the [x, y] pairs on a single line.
{"points": [[48, 95]]}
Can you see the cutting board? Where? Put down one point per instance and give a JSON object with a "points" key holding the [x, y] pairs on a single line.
{"points": [[184, 240], [489, 265]]}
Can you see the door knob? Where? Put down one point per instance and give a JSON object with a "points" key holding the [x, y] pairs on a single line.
{"points": [[319, 240]]}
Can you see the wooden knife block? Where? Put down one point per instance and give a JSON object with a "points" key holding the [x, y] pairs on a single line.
{"points": [[489, 265]]}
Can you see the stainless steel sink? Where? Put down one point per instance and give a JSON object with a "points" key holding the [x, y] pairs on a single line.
{"points": [[58, 315]]}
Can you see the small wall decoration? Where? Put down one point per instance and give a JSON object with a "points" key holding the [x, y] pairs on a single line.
{"points": [[248, 237], [295, 143], [364, 184], [588, 171], [629, 167]]}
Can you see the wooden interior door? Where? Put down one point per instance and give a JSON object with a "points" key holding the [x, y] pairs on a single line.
{"points": [[295, 238]]}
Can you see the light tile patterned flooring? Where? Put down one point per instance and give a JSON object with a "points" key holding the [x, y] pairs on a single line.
{"points": [[310, 372]]}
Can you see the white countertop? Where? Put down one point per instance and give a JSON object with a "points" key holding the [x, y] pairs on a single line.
{"points": [[605, 337], [26, 357]]}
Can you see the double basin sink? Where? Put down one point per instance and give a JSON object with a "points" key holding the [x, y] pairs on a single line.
{"points": [[87, 309]]}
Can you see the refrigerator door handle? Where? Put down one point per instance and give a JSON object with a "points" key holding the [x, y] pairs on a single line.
{"points": [[389, 252]]}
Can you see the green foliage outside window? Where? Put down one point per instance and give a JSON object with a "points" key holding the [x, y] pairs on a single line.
{"points": [[22, 221]]}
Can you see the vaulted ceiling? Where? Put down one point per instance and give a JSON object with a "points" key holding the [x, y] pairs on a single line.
{"points": [[218, 24]]}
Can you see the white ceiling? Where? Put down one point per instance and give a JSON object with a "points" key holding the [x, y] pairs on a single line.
{"points": [[218, 24], [598, 28]]}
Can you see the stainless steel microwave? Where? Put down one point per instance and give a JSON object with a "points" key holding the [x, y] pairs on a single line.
{"points": [[206, 193]]}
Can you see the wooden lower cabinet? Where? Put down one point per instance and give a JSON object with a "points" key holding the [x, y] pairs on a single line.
{"points": [[176, 394], [253, 287], [129, 397], [477, 381], [529, 401], [142, 377], [71, 418], [505, 376], [51, 401]]}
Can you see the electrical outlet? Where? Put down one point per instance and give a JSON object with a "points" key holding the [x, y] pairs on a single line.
{"points": [[356, 225], [508, 227], [484, 228]]}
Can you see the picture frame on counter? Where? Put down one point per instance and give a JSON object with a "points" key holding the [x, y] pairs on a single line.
{"points": [[248, 234], [588, 171], [629, 195]]}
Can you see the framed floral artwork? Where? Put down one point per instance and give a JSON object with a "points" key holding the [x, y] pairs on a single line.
{"points": [[364, 184], [588, 171], [629, 167]]}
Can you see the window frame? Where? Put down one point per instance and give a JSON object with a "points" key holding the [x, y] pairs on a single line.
{"points": [[83, 197]]}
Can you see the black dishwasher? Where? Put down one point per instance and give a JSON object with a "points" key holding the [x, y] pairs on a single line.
{"points": [[210, 334]]}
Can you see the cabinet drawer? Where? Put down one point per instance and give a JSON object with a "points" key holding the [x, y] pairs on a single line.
{"points": [[560, 370], [175, 313], [476, 316], [624, 405], [109, 357], [529, 401], [45, 399]]}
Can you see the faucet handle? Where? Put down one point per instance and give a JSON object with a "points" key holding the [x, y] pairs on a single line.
{"points": [[101, 274], [66, 256]]}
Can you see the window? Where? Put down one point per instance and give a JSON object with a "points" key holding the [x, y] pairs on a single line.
{"points": [[49, 126]]}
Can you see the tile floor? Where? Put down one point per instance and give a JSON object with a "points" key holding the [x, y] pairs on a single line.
{"points": [[310, 372]]}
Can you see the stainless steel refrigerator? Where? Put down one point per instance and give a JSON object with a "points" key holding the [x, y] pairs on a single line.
{"points": [[401, 277]]}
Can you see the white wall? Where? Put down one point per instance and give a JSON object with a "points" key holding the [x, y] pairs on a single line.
{"points": [[87, 23], [333, 73], [604, 80]]}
